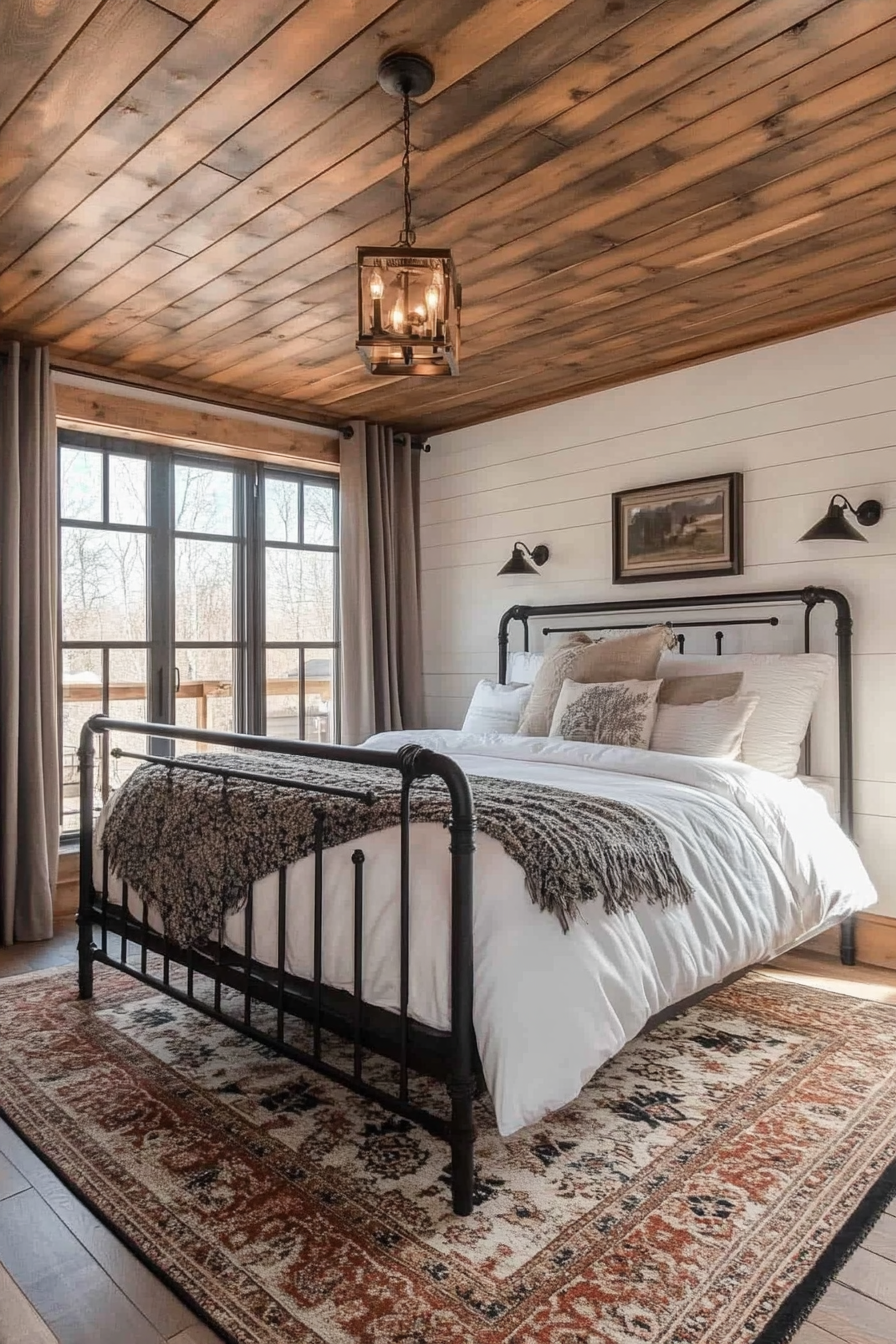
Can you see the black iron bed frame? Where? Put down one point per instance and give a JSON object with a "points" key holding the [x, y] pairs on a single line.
{"points": [[450, 1056]]}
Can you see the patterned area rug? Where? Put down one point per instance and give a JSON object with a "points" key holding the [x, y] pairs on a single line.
{"points": [[702, 1189]]}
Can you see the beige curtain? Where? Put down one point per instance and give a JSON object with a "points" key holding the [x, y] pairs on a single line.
{"points": [[29, 753], [382, 658]]}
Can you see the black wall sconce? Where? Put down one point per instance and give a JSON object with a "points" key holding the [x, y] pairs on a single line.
{"points": [[518, 564], [835, 526]]}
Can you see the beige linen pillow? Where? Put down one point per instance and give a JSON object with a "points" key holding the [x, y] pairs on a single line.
{"points": [[698, 690], [788, 685], [632, 657], [614, 713], [708, 728]]}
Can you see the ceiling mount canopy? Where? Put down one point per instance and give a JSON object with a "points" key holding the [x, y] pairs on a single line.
{"points": [[835, 526], [408, 297]]}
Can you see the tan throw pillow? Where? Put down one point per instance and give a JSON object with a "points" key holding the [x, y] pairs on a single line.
{"points": [[698, 690], [631, 657], [614, 713], [554, 669]]}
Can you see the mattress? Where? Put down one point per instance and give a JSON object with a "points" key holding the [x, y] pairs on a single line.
{"points": [[767, 864]]}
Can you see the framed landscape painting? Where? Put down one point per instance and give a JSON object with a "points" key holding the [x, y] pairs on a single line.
{"points": [[683, 530]]}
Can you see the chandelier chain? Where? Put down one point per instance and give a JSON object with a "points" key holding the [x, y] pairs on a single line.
{"points": [[407, 237]]}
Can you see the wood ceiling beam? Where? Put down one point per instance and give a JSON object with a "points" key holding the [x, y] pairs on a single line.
{"points": [[152, 421], [232, 397]]}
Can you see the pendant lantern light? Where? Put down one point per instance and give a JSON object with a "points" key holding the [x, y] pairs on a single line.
{"points": [[408, 297]]}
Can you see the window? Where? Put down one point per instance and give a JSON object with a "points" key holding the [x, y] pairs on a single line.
{"points": [[196, 590]]}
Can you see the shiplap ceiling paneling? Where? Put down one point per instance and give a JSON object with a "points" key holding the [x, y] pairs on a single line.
{"points": [[628, 186]]}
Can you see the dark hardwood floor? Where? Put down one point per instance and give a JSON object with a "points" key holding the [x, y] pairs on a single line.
{"points": [[65, 1277]]}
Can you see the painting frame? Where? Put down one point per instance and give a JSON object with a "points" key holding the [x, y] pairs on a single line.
{"points": [[657, 537]]}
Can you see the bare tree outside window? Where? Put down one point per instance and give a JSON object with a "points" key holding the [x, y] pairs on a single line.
{"points": [[108, 569]]}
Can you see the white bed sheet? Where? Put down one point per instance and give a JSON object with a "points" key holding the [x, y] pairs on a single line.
{"points": [[768, 865]]}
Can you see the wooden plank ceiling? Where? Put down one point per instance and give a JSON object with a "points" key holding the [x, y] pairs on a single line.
{"points": [[628, 186]]}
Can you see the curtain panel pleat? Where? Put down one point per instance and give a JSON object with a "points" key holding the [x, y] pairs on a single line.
{"points": [[382, 655], [29, 743]]}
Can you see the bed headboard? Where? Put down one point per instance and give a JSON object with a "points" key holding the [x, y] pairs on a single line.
{"points": [[613, 616]]}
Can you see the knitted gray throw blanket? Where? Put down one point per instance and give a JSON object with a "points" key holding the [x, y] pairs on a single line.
{"points": [[191, 844]]}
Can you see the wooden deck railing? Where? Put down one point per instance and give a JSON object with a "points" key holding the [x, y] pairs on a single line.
{"points": [[200, 691]]}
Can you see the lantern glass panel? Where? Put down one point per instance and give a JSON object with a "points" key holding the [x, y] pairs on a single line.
{"points": [[408, 312]]}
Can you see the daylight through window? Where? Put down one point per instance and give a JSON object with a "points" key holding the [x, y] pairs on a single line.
{"points": [[196, 590]]}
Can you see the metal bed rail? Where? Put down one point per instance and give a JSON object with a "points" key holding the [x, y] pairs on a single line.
{"points": [[449, 1055]]}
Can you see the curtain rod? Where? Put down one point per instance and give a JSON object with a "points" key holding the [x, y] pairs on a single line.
{"points": [[418, 442]]}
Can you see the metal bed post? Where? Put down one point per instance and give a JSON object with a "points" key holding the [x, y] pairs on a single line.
{"points": [[418, 762]]}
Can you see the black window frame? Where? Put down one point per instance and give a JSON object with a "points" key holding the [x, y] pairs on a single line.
{"points": [[249, 634]]}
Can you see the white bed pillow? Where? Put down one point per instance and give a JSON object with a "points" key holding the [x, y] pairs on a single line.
{"points": [[615, 713], [496, 708], [788, 686], [524, 667], [712, 728]]}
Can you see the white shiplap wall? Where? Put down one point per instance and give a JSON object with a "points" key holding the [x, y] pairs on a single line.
{"points": [[802, 420]]}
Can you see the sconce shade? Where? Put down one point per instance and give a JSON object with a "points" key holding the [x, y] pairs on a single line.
{"points": [[518, 564], [408, 311], [835, 526]]}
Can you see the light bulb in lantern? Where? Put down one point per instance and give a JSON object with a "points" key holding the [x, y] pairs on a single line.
{"points": [[377, 287], [397, 320], [433, 297]]}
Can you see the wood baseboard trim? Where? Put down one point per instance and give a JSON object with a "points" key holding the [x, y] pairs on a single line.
{"points": [[875, 942], [65, 901]]}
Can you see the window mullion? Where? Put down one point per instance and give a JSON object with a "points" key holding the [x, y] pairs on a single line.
{"points": [[255, 625], [160, 595]]}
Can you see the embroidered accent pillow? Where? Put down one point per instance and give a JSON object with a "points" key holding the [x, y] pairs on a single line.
{"points": [[614, 713], [714, 728], [496, 708], [631, 657], [697, 690]]}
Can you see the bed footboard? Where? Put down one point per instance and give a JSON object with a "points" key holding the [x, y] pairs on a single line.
{"points": [[241, 984]]}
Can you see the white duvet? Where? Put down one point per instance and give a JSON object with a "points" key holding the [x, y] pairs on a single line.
{"points": [[767, 864]]}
